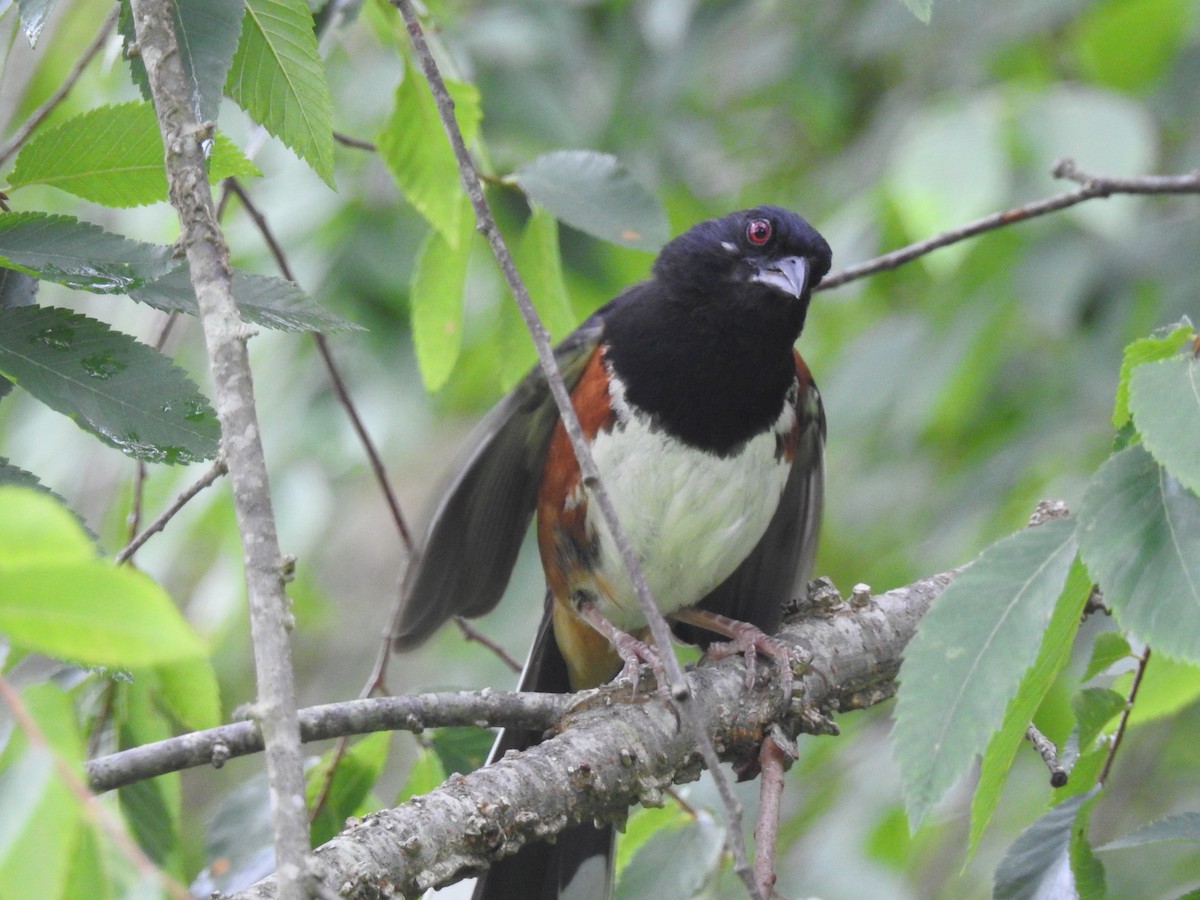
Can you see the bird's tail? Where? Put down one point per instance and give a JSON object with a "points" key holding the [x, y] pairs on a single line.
{"points": [[579, 865]]}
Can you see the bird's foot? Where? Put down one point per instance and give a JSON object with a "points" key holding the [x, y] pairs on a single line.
{"points": [[746, 639], [632, 651]]}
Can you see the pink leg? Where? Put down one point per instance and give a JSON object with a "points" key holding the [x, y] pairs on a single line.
{"points": [[743, 638], [631, 651]]}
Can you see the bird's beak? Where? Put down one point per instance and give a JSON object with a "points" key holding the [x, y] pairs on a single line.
{"points": [[789, 274]]}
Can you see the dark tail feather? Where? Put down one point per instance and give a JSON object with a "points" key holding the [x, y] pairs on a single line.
{"points": [[579, 865]]}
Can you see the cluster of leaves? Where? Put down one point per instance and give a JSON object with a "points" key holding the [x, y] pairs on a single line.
{"points": [[989, 651]]}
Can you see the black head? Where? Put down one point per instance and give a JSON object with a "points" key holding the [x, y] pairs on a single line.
{"points": [[765, 250]]}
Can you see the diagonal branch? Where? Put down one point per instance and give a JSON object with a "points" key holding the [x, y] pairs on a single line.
{"points": [[610, 753]]}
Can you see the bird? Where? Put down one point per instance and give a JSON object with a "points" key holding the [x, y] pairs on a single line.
{"points": [[708, 433]]}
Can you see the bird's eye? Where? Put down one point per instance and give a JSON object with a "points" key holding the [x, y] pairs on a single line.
{"points": [[758, 231]]}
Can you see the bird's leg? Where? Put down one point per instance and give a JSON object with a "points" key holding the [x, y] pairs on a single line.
{"points": [[632, 652], [743, 638]]}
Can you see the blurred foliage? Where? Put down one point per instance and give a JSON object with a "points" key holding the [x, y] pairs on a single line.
{"points": [[961, 389]]}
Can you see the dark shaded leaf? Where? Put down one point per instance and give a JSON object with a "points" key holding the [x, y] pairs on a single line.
{"points": [[127, 394], [78, 254], [595, 193], [1179, 827], [1038, 866], [461, 750], [674, 862], [1164, 398]]}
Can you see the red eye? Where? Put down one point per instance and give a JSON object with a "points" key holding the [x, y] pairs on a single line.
{"points": [[758, 231]]}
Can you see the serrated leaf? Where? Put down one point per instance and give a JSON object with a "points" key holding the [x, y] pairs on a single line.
{"points": [[1038, 863], [356, 773], [1139, 533], [1094, 708], [189, 691], [1164, 398], [1141, 351], [414, 148], [436, 302], [969, 655], [1179, 827], [1109, 648], [57, 597], [113, 155], [656, 870], [461, 750], [538, 260], [207, 31], [1053, 656], [593, 192], [270, 302], [278, 78], [127, 394], [78, 254]]}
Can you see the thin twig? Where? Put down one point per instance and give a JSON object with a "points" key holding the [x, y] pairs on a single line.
{"points": [[1049, 754], [471, 633], [100, 815], [1091, 188], [241, 437], [1125, 713], [39, 115], [486, 225], [215, 471], [357, 143], [775, 757], [335, 375]]}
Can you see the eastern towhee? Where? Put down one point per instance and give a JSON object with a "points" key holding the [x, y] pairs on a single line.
{"points": [[708, 433]]}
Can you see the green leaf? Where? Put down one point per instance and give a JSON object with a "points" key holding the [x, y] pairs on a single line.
{"points": [[88, 876], [461, 750], [237, 842], [270, 302], [113, 155], [1139, 533], [1090, 882], [189, 691], [208, 32], [656, 870], [1094, 708], [538, 260], [151, 807], [1164, 398], [35, 864], [425, 775], [356, 774], [593, 192], [1168, 686], [1129, 45], [127, 394], [58, 597], [78, 254], [436, 301], [415, 149], [1038, 863], [969, 655], [1053, 656], [1179, 827], [643, 824], [1141, 351], [1110, 647], [278, 78]]}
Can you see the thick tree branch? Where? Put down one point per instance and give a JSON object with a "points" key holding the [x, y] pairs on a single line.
{"points": [[611, 753], [225, 336]]}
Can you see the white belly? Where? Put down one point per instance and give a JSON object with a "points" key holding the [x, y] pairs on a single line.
{"points": [[691, 516]]}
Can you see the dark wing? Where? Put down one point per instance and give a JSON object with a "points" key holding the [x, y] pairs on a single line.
{"points": [[475, 533], [778, 568]]}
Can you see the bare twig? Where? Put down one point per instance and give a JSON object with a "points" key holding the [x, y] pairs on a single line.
{"points": [[105, 819], [1123, 723], [39, 115], [486, 225], [225, 337], [1091, 187], [356, 143], [471, 633], [776, 756], [1049, 754], [215, 471]]}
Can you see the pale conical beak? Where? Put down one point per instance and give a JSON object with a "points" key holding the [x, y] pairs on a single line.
{"points": [[789, 274]]}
